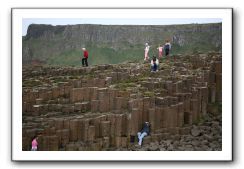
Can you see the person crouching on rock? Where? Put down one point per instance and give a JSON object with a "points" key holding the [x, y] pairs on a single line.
{"points": [[154, 64], [145, 131], [85, 57]]}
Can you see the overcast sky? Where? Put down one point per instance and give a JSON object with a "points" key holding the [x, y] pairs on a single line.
{"points": [[106, 21]]}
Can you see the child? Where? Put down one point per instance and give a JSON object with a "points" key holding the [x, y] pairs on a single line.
{"points": [[146, 57], [160, 51], [34, 144], [154, 64]]}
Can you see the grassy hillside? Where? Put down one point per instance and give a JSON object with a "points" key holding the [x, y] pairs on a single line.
{"points": [[116, 45], [110, 56]]}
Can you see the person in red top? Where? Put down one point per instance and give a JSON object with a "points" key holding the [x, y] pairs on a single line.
{"points": [[84, 59]]}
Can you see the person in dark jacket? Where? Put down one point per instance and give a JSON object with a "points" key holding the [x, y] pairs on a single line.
{"points": [[145, 131], [167, 47], [85, 57]]}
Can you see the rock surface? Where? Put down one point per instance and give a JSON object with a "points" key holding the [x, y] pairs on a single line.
{"points": [[83, 109], [204, 142]]}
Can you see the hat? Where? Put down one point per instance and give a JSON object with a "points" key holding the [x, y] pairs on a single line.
{"points": [[83, 48]]}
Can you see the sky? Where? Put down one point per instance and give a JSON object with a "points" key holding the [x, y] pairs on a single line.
{"points": [[107, 21]]}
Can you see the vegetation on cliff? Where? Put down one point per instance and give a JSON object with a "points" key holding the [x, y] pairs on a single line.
{"points": [[112, 44]]}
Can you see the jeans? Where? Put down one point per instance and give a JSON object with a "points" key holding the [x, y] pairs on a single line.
{"points": [[84, 62], [166, 52], [141, 136], [154, 67], [33, 148]]}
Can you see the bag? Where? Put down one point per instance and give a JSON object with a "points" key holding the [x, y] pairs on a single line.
{"points": [[166, 46]]}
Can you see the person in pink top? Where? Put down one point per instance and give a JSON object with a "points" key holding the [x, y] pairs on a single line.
{"points": [[34, 144], [160, 51]]}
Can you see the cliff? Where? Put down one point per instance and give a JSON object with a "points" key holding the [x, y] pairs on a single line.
{"points": [[114, 43]]}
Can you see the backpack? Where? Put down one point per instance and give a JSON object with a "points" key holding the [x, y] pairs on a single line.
{"points": [[166, 46]]}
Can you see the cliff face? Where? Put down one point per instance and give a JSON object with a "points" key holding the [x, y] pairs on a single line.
{"points": [[114, 43]]}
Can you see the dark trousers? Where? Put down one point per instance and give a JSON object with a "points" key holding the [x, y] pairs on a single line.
{"points": [[84, 62], [166, 52]]}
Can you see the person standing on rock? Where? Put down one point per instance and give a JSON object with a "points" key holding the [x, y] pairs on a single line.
{"points": [[85, 57], [147, 47], [34, 143], [145, 131], [167, 47], [160, 51]]}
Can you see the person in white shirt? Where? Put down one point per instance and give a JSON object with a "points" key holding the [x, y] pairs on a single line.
{"points": [[154, 64], [147, 47]]}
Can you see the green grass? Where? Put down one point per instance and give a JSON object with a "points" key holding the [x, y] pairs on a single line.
{"points": [[71, 58], [124, 86], [32, 83], [108, 55], [148, 94]]}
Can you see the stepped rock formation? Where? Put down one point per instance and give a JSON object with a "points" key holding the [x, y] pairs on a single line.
{"points": [[114, 43], [103, 107]]}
